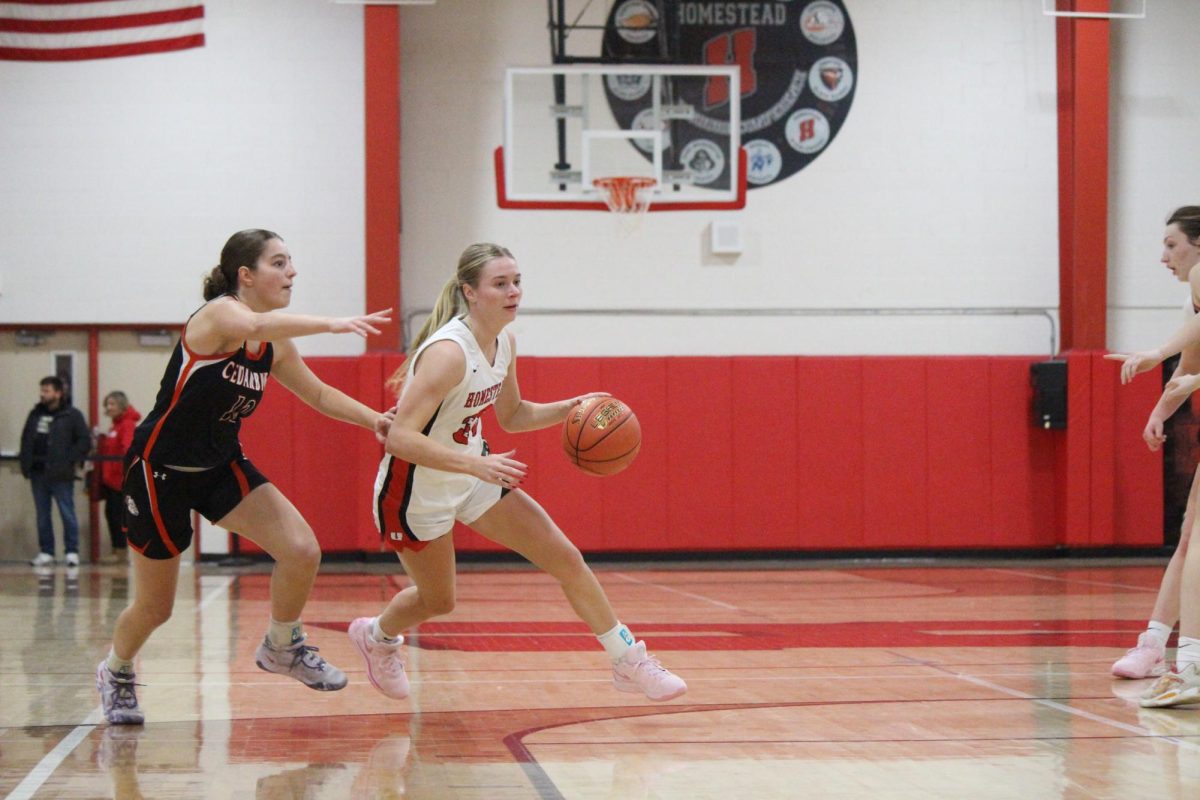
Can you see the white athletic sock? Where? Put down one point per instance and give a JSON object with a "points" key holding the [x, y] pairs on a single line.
{"points": [[617, 641], [1158, 633], [284, 634], [116, 664], [1188, 653], [378, 635]]}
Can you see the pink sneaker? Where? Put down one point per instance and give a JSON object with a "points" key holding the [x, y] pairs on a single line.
{"points": [[1143, 661], [638, 671], [385, 670], [1174, 689]]}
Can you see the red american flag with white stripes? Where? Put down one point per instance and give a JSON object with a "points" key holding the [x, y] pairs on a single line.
{"points": [[76, 30]]}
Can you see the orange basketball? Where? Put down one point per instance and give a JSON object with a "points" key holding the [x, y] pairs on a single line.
{"points": [[601, 436]]}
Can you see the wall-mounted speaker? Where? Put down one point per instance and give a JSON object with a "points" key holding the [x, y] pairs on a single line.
{"points": [[726, 236], [1049, 380]]}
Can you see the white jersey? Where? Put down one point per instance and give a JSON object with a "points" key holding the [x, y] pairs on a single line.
{"points": [[405, 487]]}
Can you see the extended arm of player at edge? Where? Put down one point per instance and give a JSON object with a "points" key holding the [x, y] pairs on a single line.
{"points": [[291, 371], [1188, 335], [1168, 404], [234, 321]]}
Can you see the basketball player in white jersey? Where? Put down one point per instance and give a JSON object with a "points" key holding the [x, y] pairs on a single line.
{"points": [[438, 469], [186, 455], [1181, 581]]}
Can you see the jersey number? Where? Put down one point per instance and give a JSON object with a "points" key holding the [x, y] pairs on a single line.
{"points": [[470, 427], [241, 407]]}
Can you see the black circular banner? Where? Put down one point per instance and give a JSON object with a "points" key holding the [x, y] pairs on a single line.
{"points": [[799, 70]]}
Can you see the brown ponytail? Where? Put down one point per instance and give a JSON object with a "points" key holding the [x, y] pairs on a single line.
{"points": [[1188, 220], [242, 250]]}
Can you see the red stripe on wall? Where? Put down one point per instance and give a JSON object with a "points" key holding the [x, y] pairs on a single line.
{"points": [[1025, 495], [1102, 529], [1138, 507], [699, 450], [103, 51], [765, 452], [633, 515], [959, 449], [895, 487], [830, 453], [381, 98], [11, 25], [1083, 86], [1074, 470]]}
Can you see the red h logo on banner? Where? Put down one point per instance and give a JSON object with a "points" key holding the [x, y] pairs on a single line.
{"points": [[733, 48]]}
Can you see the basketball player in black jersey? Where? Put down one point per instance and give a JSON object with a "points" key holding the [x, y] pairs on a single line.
{"points": [[186, 455]]}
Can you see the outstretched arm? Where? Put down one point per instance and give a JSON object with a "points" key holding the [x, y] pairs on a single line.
{"points": [[226, 323], [1168, 403], [1187, 336], [291, 371], [516, 415]]}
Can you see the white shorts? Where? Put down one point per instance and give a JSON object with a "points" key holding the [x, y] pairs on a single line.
{"points": [[406, 522]]}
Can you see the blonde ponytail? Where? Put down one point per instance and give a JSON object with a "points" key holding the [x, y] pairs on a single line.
{"points": [[451, 302], [445, 309]]}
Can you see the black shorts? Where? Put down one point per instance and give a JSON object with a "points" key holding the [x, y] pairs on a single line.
{"points": [[159, 502]]}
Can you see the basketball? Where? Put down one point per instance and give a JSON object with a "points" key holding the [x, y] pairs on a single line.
{"points": [[602, 436]]}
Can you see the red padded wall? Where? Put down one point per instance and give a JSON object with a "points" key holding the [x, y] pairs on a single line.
{"points": [[895, 475], [325, 467], [778, 453], [634, 515], [699, 442], [1137, 501], [959, 450], [830, 459], [765, 469], [1023, 463]]}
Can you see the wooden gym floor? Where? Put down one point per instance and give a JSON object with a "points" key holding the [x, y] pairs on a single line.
{"points": [[825, 680]]}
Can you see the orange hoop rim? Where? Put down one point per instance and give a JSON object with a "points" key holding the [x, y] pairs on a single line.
{"points": [[626, 194]]}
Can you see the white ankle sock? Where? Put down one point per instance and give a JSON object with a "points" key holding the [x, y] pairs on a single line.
{"points": [[116, 664], [378, 635], [1188, 653], [617, 641], [283, 634], [1158, 633]]}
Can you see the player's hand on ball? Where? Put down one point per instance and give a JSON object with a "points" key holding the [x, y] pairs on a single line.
{"points": [[601, 435], [583, 398]]}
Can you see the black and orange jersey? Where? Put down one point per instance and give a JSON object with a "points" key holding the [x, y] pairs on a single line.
{"points": [[201, 404]]}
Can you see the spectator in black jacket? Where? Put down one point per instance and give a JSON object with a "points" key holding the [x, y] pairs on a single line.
{"points": [[56, 438]]}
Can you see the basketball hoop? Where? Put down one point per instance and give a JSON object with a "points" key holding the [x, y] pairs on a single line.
{"points": [[627, 194]]}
